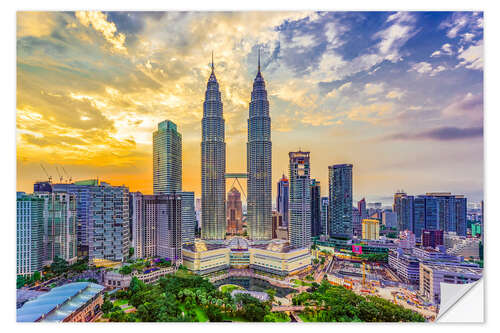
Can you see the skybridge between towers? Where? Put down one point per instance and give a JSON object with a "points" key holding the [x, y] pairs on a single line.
{"points": [[236, 176]]}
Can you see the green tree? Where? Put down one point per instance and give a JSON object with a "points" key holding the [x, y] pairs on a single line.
{"points": [[36, 276], [130, 252], [20, 281], [106, 306], [125, 270]]}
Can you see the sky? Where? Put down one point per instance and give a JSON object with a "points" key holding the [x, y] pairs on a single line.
{"points": [[397, 94]]}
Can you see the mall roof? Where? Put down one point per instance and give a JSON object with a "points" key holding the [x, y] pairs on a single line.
{"points": [[58, 303]]}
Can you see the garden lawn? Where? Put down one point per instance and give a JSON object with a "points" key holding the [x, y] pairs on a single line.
{"points": [[120, 302], [230, 287], [304, 318], [200, 314]]}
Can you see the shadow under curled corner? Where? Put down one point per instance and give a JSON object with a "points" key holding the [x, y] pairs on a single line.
{"points": [[462, 303]]}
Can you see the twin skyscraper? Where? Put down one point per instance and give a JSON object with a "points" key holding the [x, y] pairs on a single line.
{"points": [[213, 163]]}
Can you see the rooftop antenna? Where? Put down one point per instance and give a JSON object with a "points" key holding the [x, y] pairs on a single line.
{"points": [[212, 61], [259, 61]]}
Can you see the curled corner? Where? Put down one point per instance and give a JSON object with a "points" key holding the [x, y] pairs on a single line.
{"points": [[462, 302]]}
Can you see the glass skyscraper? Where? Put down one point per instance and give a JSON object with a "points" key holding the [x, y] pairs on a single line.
{"points": [[299, 227], [432, 211], [102, 217], [315, 208], [167, 159], [340, 199], [29, 232], [188, 217], [213, 164], [259, 158], [324, 215], [59, 219], [403, 207], [282, 199]]}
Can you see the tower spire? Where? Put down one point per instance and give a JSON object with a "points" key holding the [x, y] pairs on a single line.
{"points": [[212, 61], [259, 62]]}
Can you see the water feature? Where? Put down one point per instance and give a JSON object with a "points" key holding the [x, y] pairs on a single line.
{"points": [[254, 284]]}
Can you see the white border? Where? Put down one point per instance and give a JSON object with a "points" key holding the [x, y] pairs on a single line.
{"points": [[8, 167]]}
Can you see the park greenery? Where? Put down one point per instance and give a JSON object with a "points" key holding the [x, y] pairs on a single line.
{"points": [[328, 303], [27, 280], [380, 257], [58, 267], [186, 297]]}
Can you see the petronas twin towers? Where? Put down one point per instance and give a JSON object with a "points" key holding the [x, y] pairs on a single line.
{"points": [[213, 163]]}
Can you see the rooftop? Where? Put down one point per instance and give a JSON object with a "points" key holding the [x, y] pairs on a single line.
{"points": [[58, 303], [454, 269]]}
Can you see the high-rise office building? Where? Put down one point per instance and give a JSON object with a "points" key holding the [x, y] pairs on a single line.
{"points": [[340, 200], [157, 225], [282, 198], [356, 222], [188, 217], [82, 191], [259, 158], [102, 217], [234, 212], [426, 214], [59, 219], [362, 208], [299, 228], [432, 238], [167, 159], [142, 234], [403, 207], [29, 234], [432, 211], [315, 208], [169, 226], [324, 215], [389, 219], [42, 187], [280, 231], [370, 229], [213, 164]]}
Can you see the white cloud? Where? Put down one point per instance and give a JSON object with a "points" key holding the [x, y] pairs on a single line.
{"points": [[467, 37], [446, 49], [100, 23], [343, 87], [426, 68], [374, 88], [472, 57], [395, 94], [457, 23]]}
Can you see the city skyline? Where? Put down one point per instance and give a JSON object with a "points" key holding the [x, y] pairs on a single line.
{"points": [[322, 81]]}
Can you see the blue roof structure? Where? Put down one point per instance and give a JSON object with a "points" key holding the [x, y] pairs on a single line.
{"points": [[58, 303]]}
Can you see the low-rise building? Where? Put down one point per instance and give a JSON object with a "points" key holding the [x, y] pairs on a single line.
{"points": [[73, 302], [113, 279], [461, 246], [276, 257], [406, 266], [279, 258], [431, 276], [204, 257]]}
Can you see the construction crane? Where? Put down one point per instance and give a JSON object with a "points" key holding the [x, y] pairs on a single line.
{"points": [[364, 275], [46, 173], [67, 174], [59, 174]]}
